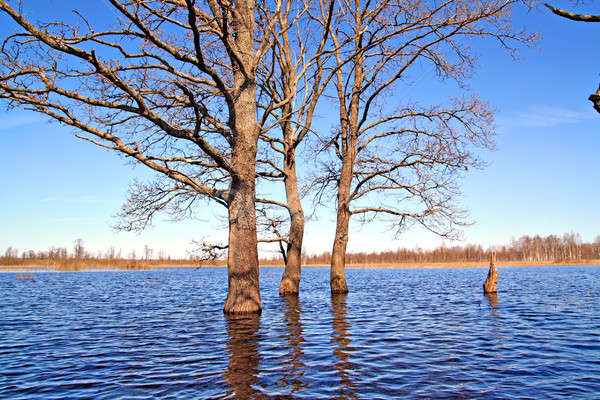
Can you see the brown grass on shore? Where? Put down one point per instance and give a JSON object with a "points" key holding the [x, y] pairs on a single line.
{"points": [[153, 264], [95, 265], [454, 264]]}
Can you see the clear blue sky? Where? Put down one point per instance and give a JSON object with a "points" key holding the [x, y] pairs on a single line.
{"points": [[542, 179]]}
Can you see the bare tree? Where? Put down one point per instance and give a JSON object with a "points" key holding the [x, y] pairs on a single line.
{"points": [[78, 249], [293, 77], [594, 97], [402, 160], [171, 85]]}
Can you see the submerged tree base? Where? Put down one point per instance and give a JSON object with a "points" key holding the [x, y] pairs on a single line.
{"points": [[245, 302], [338, 285], [289, 287], [242, 308]]}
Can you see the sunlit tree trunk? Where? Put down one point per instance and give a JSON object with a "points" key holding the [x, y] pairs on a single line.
{"points": [[242, 258], [338, 254], [290, 281]]}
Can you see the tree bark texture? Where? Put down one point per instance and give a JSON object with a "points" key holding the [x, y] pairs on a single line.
{"points": [[290, 281], [348, 114], [242, 259], [338, 254], [491, 283]]}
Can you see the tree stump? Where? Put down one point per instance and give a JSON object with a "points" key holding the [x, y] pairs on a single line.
{"points": [[491, 283]]}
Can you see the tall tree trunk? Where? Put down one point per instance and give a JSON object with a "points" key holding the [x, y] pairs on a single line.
{"points": [[338, 254], [349, 137], [290, 281], [243, 296], [242, 258]]}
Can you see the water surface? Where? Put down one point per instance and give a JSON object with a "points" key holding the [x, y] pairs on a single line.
{"points": [[413, 333]]}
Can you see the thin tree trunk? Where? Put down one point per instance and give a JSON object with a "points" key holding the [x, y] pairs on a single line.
{"points": [[338, 254], [290, 281]]}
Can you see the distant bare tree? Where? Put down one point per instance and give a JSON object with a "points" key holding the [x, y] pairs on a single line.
{"points": [[594, 97], [78, 249], [391, 156], [147, 252], [171, 85]]}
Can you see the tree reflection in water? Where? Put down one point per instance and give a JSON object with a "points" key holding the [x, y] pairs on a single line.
{"points": [[492, 299], [342, 351], [242, 347], [493, 302], [294, 363]]}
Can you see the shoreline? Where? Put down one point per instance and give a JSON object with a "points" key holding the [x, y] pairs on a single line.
{"points": [[407, 265]]}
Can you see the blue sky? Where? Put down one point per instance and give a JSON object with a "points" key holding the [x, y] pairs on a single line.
{"points": [[542, 178]]}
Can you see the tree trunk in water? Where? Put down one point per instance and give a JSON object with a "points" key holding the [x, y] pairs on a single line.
{"points": [[491, 283], [338, 254], [290, 281], [243, 296]]}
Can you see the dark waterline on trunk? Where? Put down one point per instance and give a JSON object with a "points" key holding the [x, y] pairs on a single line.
{"points": [[412, 333]]}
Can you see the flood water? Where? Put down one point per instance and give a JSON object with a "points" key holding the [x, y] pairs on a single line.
{"points": [[399, 333]]}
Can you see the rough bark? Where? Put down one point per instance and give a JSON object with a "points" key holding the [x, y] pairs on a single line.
{"points": [[491, 283], [338, 254], [348, 115], [243, 296], [290, 281], [242, 258], [572, 16]]}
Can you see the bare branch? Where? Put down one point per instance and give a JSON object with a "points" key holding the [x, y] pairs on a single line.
{"points": [[575, 17]]}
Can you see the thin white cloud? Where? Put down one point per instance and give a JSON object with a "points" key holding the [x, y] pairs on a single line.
{"points": [[87, 199], [545, 117], [8, 121]]}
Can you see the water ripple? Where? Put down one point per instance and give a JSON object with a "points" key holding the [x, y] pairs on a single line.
{"points": [[419, 333]]}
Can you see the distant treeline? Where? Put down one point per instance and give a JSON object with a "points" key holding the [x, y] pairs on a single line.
{"points": [[553, 248], [79, 256]]}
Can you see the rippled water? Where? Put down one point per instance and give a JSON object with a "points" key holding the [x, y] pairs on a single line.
{"points": [[413, 333]]}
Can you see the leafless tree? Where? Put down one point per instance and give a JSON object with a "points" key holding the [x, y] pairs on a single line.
{"points": [[78, 249], [293, 76], [594, 97], [171, 84], [402, 160]]}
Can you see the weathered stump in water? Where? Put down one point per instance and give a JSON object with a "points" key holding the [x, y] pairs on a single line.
{"points": [[491, 283]]}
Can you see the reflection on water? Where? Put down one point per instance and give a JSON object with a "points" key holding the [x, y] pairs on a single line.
{"points": [[293, 364], [492, 299], [342, 351], [422, 333], [244, 358]]}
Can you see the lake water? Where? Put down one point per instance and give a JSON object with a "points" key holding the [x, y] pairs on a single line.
{"points": [[399, 333]]}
